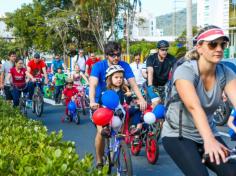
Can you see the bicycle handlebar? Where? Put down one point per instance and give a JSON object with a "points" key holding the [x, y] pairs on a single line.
{"points": [[232, 155]]}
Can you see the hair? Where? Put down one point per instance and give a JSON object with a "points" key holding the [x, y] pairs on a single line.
{"points": [[18, 59], [111, 86], [11, 53], [193, 54], [110, 47]]}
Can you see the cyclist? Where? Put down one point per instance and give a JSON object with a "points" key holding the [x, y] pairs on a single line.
{"points": [[36, 67], [90, 62], [136, 67], [79, 77], [158, 68], [97, 82], [5, 83], [59, 79], [56, 63], [18, 76], [189, 126], [69, 92]]}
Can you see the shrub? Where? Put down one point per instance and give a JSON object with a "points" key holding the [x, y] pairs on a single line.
{"points": [[27, 149]]}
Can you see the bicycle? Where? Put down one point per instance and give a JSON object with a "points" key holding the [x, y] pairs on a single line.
{"points": [[117, 154], [37, 99], [22, 100]]}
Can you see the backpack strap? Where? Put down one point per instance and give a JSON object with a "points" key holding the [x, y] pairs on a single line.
{"points": [[222, 75]]}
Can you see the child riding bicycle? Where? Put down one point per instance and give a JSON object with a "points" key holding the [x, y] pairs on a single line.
{"points": [[79, 77], [69, 93]]}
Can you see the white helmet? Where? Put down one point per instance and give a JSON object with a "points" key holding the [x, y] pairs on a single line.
{"points": [[113, 69]]}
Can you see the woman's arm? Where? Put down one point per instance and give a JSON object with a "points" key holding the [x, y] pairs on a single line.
{"points": [[85, 78], [188, 95]]}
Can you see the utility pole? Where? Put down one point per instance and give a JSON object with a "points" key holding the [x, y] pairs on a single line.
{"points": [[189, 25]]}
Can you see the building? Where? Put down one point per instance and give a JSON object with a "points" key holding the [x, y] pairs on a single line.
{"points": [[232, 28], [4, 34], [145, 28], [213, 12]]}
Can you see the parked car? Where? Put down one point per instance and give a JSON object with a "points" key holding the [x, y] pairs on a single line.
{"points": [[222, 114]]}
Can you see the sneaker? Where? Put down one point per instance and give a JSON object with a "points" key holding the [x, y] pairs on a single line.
{"points": [[99, 166], [106, 132]]}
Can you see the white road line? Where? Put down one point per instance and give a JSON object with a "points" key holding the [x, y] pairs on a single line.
{"points": [[224, 134], [52, 102]]}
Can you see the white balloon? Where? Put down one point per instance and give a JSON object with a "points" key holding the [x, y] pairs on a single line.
{"points": [[149, 118], [116, 122]]}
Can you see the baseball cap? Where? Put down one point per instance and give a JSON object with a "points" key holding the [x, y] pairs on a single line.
{"points": [[36, 55]]}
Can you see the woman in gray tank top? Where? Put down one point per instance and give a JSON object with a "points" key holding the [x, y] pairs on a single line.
{"points": [[189, 131]]}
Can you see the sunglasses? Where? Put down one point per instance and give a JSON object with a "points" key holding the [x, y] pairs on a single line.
{"points": [[113, 55], [213, 44], [164, 50]]}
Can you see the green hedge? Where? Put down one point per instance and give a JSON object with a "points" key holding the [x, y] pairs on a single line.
{"points": [[26, 148]]}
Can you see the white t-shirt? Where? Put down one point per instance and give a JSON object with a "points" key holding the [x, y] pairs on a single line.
{"points": [[137, 70], [80, 61]]}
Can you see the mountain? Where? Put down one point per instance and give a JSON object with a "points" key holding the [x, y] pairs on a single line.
{"points": [[165, 22]]}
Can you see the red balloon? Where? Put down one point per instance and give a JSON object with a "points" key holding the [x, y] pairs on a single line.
{"points": [[149, 109], [102, 116]]}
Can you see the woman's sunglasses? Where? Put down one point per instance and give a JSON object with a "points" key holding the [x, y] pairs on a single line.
{"points": [[213, 44]]}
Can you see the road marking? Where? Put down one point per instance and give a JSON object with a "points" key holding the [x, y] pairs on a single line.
{"points": [[224, 134], [52, 102]]}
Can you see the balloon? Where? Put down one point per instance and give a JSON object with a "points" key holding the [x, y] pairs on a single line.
{"points": [[110, 99], [116, 122], [71, 106], [159, 111], [149, 118], [102, 116]]}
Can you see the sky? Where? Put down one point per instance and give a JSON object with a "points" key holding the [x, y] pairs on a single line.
{"points": [[156, 7]]}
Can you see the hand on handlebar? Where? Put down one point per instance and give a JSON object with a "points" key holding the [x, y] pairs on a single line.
{"points": [[94, 105], [215, 151], [142, 104]]}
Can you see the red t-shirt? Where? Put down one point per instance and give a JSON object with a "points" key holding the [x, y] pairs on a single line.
{"points": [[90, 64], [70, 92], [36, 68], [18, 78]]}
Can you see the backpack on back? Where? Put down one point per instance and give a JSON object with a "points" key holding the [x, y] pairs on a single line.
{"points": [[169, 98]]}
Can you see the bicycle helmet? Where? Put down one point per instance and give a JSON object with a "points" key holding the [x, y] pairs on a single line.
{"points": [[69, 80], [113, 69], [162, 44]]}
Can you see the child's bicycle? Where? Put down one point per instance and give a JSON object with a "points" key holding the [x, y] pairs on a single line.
{"points": [[73, 113], [117, 154], [147, 137], [82, 102]]}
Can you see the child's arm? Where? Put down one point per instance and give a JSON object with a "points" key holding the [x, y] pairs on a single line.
{"points": [[231, 124], [84, 77]]}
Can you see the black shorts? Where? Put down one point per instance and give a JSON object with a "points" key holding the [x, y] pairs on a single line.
{"points": [[7, 91]]}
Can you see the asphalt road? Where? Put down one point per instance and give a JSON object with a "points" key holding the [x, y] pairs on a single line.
{"points": [[83, 135]]}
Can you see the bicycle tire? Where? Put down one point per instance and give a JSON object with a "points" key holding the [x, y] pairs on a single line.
{"points": [[39, 106], [77, 118], [135, 148], [221, 115], [107, 156], [152, 150], [82, 101], [21, 105], [123, 150]]}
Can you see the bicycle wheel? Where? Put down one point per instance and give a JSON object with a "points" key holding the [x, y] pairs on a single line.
{"points": [[82, 102], [22, 106], [222, 113], [39, 106], [136, 145], [152, 150], [107, 155], [77, 118], [124, 163]]}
